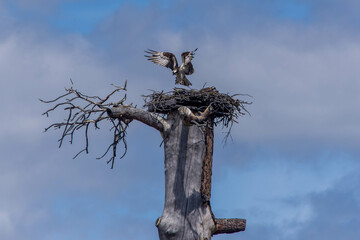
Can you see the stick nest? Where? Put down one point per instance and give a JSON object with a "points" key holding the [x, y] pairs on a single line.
{"points": [[226, 108]]}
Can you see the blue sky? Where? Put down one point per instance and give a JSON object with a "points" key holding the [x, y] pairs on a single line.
{"points": [[292, 169]]}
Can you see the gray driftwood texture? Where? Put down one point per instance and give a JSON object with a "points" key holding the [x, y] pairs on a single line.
{"points": [[188, 146]]}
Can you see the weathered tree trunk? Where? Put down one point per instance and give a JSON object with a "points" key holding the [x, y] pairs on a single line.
{"points": [[188, 144], [186, 215]]}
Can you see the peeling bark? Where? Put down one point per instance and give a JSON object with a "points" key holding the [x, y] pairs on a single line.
{"points": [[207, 162]]}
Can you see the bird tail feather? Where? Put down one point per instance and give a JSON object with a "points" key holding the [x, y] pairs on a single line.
{"points": [[182, 81]]}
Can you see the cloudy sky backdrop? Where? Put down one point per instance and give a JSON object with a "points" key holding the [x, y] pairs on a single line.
{"points": [[292, 169]]}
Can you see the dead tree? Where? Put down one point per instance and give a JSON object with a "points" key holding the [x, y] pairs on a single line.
{"points": [[185, 120]]}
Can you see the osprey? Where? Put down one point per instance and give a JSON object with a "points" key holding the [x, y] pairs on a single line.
{"points": [[168, 60]]}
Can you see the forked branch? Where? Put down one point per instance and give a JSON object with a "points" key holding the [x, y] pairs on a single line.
{"points": [[188, 115]]}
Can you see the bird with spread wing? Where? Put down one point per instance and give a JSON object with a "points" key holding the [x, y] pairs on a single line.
{"points": [[168, 60]]}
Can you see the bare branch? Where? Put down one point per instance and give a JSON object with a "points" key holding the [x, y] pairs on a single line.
{"points": [[85, 111], [150, 119], [51, 101]]}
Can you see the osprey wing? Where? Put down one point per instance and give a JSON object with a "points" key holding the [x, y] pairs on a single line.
{"points": [[165, 59], [186, 65], [188, 56]]}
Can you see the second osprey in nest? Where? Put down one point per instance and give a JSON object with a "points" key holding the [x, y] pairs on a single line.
{"points": [[168, 60]]}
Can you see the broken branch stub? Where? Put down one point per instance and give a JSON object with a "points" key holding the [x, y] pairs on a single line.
{"points": [[229, 225]]}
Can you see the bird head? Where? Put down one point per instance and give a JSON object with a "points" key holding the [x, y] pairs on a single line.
{"points": [[175, 71]]}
